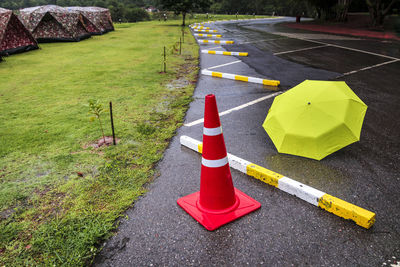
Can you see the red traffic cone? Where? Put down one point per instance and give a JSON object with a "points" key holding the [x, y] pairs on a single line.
{"points": [[217, 202]]}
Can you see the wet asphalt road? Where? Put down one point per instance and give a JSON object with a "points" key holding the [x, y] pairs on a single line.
{"points": [[286, 231]]}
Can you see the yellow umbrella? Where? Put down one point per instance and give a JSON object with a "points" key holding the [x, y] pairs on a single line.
{"points": [[315, 119]]}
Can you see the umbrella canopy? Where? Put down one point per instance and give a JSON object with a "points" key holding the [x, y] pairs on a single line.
{"points": [[315, 119]]}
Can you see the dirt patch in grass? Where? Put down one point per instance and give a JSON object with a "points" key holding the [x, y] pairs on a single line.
{"points": [[106, 141], [6, 213]]}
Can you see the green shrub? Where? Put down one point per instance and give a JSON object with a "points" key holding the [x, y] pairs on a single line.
{"points": [[136, 14]]}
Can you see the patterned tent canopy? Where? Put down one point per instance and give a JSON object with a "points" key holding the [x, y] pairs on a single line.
{"points": [[14, 37], [99, 17], [54, 23]]}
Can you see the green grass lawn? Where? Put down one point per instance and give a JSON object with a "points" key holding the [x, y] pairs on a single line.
{"points": [[48, 213]]}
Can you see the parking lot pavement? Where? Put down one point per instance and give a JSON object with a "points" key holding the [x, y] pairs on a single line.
{"points": [[286, 230]]}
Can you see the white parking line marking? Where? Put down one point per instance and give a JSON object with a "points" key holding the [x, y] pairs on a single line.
{"points": [[302, 49], [265, 40], [368, 68], [226, 64], [339, 46], [353, 49], [235, 108], [217, 47]]}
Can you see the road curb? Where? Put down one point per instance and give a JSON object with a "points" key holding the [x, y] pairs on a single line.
{"points": [[225, 53], [240, 78], [195, 30], [208, 35], [200, 28], [215, 42], [341, 208]]}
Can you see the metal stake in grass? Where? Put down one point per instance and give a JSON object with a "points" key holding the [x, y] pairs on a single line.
{"points": [[165, 61], [183, 35], [180, 45], [112, 124]]}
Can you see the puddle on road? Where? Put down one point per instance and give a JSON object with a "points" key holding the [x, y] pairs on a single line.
{"points": [[310, 172]]}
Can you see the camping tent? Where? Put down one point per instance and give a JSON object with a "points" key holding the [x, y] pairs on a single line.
{"points": [[14, 37], [97, 20], [54, 23], [90, 22], [105, 17]]}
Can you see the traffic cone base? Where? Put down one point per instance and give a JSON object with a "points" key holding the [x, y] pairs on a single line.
{"points": [[212, 220]]}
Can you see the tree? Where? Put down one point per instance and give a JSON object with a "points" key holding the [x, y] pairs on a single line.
{"points": [[324, 8], [96, 109], [184, 6], [378, 9], [342, 8]]}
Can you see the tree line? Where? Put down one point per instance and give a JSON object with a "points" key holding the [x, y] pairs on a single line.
{"points": [[336, 10], [134, 10]]}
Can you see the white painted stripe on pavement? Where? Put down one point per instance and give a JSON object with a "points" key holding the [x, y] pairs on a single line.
{"points": [[195, 122], [214, 163], [217, 47], [212, 131], [368, 68], [235, 108], [357, 50], [264, 40], [344, 47], [302, 49], [226, 64], [302, 191]]}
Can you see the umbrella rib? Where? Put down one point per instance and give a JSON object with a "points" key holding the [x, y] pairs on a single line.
{"points": [[340, 122]]}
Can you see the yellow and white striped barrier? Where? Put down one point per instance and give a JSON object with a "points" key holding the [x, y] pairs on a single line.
{"points": [[201, 28], [195, 30], [341, 208], [225, 53], [215, 42], [208, 35], [240, 78]]}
